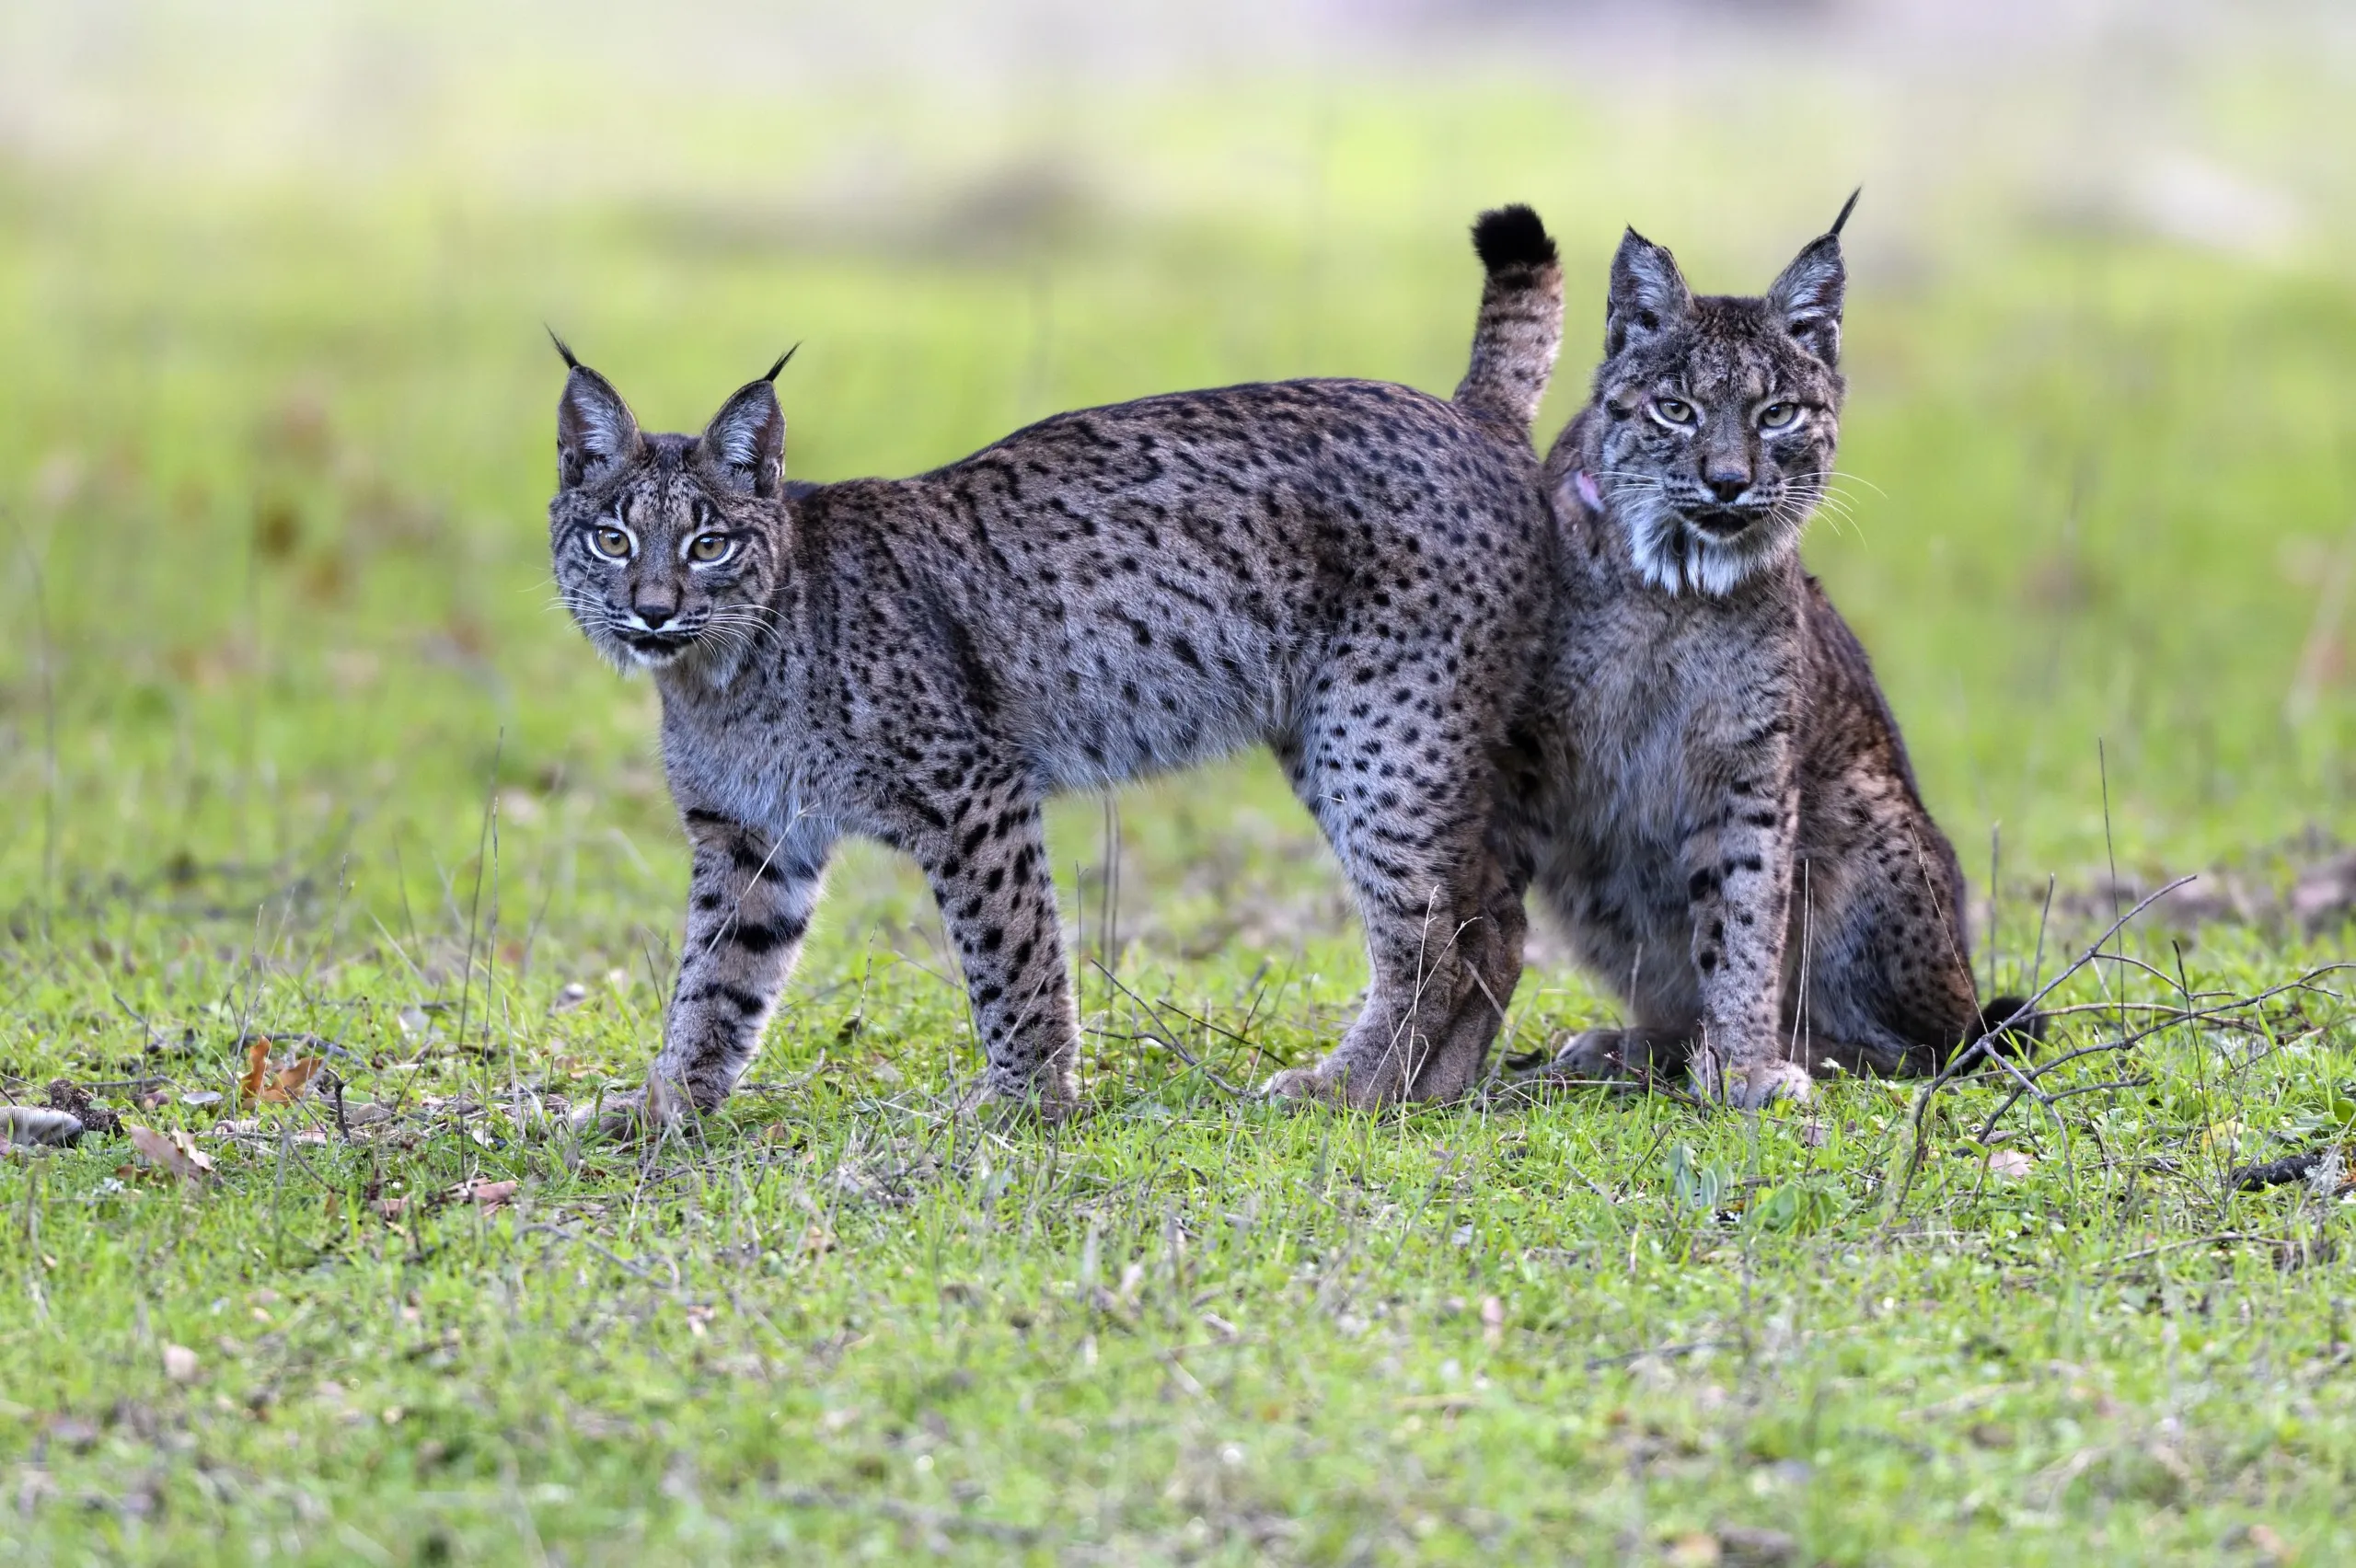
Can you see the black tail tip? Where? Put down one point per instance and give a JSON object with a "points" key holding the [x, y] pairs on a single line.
{"points": [[2010, 1015], [1512, 237]]}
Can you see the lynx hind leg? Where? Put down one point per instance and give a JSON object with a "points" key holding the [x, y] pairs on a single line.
{"points": [[1493, 965], [1889, 985], [1405, 810], [989, 871], [750, 903]]}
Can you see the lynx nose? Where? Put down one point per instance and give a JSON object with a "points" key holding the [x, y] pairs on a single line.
{"points": [[1727, 484], [652, 617]]}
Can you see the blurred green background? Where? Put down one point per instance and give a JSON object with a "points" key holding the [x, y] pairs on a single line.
{"points": [[275, 424]]}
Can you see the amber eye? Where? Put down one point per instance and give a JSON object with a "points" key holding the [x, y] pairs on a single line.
{"points": [[705, 548], [1673, 411], [611, 541], [1779, 416]]}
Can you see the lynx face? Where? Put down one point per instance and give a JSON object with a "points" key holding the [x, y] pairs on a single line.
{"points": [[665, 545], [1721, 415]]}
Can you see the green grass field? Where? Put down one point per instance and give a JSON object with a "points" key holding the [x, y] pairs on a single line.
{"points": [[293, 744]]}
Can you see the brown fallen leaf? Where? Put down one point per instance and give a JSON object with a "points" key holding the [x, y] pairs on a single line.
{"points": [[258, 1085], [177, 1153], [256, 1067], [2010, 1162], [1694, 1548], [287, 1086], [485, 1196], [2269, 1544]]}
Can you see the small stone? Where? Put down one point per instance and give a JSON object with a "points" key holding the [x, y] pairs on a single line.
{"points": [[1753, 1545]]}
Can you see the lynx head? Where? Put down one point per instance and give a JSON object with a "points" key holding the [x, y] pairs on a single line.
{"points": [[667, 545], [1719, 414]]}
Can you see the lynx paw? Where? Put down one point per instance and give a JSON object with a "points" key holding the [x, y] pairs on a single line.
{"points": [[640, 1114], [1322, 1083], [1298, 1083], [1052, 1097], [1752, 1086]]}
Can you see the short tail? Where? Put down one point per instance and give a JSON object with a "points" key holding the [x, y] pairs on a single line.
{"points": [[2017, 1030], [1520, 326]]}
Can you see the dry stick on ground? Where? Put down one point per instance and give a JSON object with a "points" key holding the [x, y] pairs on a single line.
{"points": [[2028, 1081], [1983, 1046], [1167, 1038]]}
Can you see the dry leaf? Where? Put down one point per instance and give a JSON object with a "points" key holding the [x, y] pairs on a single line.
{"points": [[177, 1153], [2010, 1162], [257, 1085], [1693, 1549], [256, 1064], [2269, 1544], [392, 1208], [485, 1196], [291, 1080], [179, 1364]]}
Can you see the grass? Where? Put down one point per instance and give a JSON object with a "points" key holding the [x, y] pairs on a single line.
{"points": [[293, 747]]}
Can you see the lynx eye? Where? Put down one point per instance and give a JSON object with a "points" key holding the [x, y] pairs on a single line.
{"points": [[705, 548], [1779, 416], [611, 542], [1673, 412]]}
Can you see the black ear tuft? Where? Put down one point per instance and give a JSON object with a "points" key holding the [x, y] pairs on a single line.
{"points": [[1649, 294], [782, 361], [570, 362], [1512, 237], [746, 440], [1846, 208], [595, 429]]}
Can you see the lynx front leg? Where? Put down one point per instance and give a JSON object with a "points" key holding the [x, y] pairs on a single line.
{"points": [[1738, 870], [750, 903], [989, 873]]}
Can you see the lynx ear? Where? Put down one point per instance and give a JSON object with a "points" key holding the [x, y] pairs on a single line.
{"points": [[746, 440], [595, 429], [1808, 295], [1648, 294]]}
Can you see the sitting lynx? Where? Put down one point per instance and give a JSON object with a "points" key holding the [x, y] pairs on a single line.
{"points": [[1722, 743], [1353, 573]]}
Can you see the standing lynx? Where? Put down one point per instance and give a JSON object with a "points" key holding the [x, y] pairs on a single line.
{"points": [[1352, 572], [1734, 840]]}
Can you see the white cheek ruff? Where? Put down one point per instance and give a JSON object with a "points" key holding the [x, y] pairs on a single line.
{"points": [[1674, 556]]}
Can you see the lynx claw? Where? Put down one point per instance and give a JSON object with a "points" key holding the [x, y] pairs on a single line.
{"points": [[1751, 1088]]}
